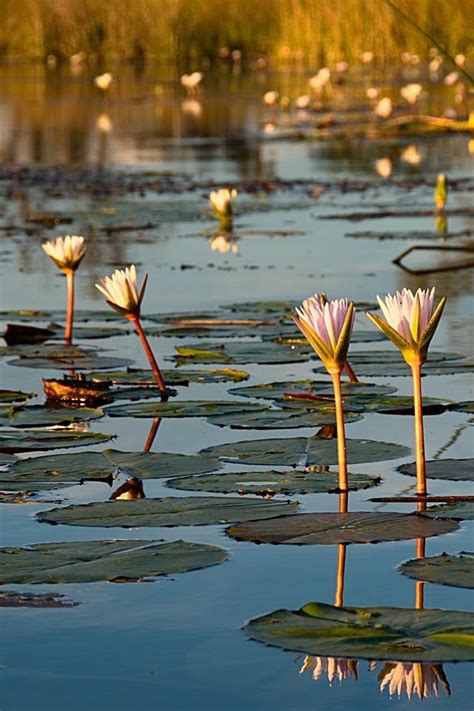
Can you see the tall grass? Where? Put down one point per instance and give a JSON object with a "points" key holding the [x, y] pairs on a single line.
{"points": [[311, 31]]}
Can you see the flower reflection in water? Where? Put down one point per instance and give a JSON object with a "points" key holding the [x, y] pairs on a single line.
{"points": [[332, 667], [421, 679], [223, 244]]}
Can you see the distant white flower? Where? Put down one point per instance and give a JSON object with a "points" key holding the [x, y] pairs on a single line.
{"points": [[460, 60], [451, 78], [270, 98], [223, 201], [372, 93], [192, 81], [104, 123], [384, 107], [383, 167], [410, 155], [411, 92], [121, 291], [303, 101], [367, 57], [341, 67], [103, 81], [66, 252]]}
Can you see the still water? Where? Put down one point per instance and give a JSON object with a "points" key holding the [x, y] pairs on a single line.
{"points": [[101, 161]]}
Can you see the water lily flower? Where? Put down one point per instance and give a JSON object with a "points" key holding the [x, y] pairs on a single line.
{"points": [[67, 253], [410, 323], [270, 98], [333, 667], [441, 192], [327, 325], [103, 81], [411, 155], [366, 57], [383, 167], [420, 678], [303, 102], [222, 202], [104, 123], [384, 107], [191, 82], [451, 78], [372, 93], [411, 92], [123, 295]]}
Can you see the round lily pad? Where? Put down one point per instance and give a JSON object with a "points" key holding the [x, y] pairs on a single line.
{"points": [[32, 440], [454, 570], [169, 511], [332, 528], [290, 390], [13, 396], [459, 510], [279, 419], [85, 362], [91, 332], [451, 469], [66, 468], [43, 415], [304, 451], [375, 633], [271, 482], [172, 377], [91, 561], [245, 352], [183, 408]]}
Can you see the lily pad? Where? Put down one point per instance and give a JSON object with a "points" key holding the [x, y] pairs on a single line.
{"points": [[169, 511], [91, 332], [42, 415], [14, 598], [35, 315], [465, 406], [375, 633], [246, 352], [12, 396], [263, 308], [85, 362], [66, 468], [172, 377], [304, 451], [32, 440], [332, 528], [91, 561], [279, 419], [289, 389], [391, 364], [459, 510], [453, 570], [450, 469], [183, 408], [268, 483]]}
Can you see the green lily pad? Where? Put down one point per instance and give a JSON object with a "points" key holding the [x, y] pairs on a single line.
{"points": [[283, 390], [450, 469], [332, 528], [246, 352], [32, 440], [391, 364], [304, 451], [183, 408], [91, 561], [169, 511], [375, 633], [42, 415], [453, 570], [271, 482], [92, 332], [279, 419], [173, 377], [465, 406], [12, 396], [459, 510], [263, 308], [89, 362], [66, 468]]}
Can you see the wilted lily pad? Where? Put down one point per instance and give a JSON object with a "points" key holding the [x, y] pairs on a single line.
{"points": [[42, 415], [296, 389], [332, 528], [375, 633], [169, 511], [66, 468], [304, 451], [32, 440], [183, 408], [271, 482], [454, 570], [279, 419], [11, 396], [245, 352], [450, 469], [459, 510], [391, 364], [90, 561]]}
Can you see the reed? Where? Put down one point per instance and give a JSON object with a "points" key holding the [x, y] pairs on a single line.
{"points": [[308, 31]]}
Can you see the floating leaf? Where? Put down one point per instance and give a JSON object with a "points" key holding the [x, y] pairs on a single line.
{"points": [[332, 528], [263, 308], [13, 598], [169, 511], [183, 408], [91, 332], [262, 353], [66, 468], [465, 406], [279, 419], [89, 362], [451, 469], [459, 510], [292, 451], [35, 315], [375, 633], [454, 570], [90, 561], [268, 483], [173, 377], [12, 396], [284, 390], [42, 415], [31, 440]]}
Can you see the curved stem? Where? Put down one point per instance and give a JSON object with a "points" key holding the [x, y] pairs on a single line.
{"points": [[419, 431], [149, 354], [341, 433], [70, 307]]}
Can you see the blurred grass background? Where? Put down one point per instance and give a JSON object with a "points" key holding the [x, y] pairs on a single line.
{"points": [[307, 31]]}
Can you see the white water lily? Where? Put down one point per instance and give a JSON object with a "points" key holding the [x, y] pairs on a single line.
{"points": [[66, 252], [411, 155], [384, 107], [270, 98], [419, 678], [223, 201], [333, 667], [103, 81], [372, 93], [411, 92], [121, 291], [192, 81], [383, 167]]}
